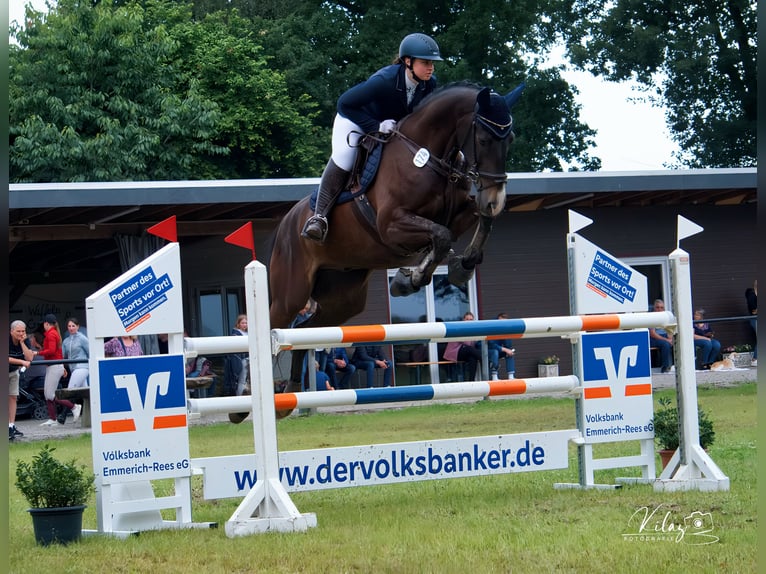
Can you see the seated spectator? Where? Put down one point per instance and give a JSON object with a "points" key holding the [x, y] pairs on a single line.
{"points": [[707, 347], [465, 351], [662, 340], [322, 380], [370, 358], [338, 361], [501, 348]]}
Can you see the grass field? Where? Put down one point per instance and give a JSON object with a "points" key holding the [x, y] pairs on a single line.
{"points": [[507, 523]]}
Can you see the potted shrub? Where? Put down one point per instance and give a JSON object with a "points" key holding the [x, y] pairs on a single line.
{"points": [[548, 366], [666, 429], [57, 492]]}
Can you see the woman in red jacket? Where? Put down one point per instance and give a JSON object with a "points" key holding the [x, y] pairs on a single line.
{"points": [[51, 351]]}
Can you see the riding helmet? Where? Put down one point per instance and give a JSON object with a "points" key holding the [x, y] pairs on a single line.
{"points": [[419, 46]]}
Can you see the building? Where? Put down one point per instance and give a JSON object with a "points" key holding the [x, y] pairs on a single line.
{"points": [[68, 239]]}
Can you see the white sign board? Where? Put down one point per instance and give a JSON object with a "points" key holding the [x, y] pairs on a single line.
{"points": [[234, 476], [603, 283], [617, 386], [144, 300], [141, 425]]}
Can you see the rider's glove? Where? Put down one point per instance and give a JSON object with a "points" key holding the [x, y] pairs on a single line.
{"points": [[387, 126]]}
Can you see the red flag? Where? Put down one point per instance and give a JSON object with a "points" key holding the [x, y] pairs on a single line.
{"points": [[243, 237], [165, 229]]}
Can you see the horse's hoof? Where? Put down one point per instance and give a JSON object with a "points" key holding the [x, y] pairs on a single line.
{"points": [[457, 274], [401, 284], [283, 414], [237, 418]]}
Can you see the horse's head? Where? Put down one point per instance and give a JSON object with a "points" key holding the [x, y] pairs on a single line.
{"points": [[491, 134]]}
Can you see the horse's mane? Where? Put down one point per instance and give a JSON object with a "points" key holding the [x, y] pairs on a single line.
{"points": [[446, 90]]}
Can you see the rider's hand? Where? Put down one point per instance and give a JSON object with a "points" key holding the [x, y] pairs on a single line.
{"points": [[387, 126]]}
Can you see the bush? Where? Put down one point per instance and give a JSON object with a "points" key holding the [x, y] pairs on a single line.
{"points": [[50, 483], [666, 426]]}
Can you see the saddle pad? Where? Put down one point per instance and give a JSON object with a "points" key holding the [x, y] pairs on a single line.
{"points": [[367, 177]]}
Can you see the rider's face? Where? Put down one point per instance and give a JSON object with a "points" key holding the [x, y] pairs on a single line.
{"points": [[423, 69]]}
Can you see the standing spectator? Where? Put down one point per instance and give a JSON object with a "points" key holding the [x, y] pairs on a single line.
{"points": [[337, 360], [19, 355], [303, 315], [123, 346], [162, 343], [372, 357], [751, 295], [465, 351], [51, 351], [235, 369], [662, 340], [75, 346], [501, 348], [709, 348]]}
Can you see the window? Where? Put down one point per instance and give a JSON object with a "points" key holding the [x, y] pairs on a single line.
{"points": [[218, 309], [657, 273]]}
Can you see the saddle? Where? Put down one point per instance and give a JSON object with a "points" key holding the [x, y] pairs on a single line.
{"points": [[361, 178]]}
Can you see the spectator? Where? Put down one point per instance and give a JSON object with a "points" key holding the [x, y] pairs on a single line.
{"points": [[76, 346], [464, 351], [708, 347], [51, 351], [338, 361], [369, 358], [303, 315], [162, 343], [751, 295], [322, 380], [501, 348], [19, 355], [662, 340], [123, 346], [236, 366]]}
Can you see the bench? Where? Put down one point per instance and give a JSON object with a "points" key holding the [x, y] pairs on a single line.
{"points": [[83, 394], [416, 365]]}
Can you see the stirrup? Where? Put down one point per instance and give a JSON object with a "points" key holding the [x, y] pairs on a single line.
{"points": [[315, 228]]}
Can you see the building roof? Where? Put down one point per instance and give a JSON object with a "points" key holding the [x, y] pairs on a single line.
{"points": [[84, 217]]}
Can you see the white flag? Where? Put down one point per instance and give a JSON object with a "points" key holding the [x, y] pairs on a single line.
{"points": [[687, 228]]}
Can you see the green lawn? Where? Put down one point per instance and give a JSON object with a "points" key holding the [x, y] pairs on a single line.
{"points": [[508, 523]]}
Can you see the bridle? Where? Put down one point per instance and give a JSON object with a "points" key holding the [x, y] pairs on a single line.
{"points": [[455, 170]]}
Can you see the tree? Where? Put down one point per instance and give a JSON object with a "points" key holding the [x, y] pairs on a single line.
{"points": [[697, 58], [326, 47], [267, 128], [95, 95]]}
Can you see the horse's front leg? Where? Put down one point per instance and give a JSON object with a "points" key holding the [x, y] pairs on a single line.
{"points": [[462, 267], [436, 239]]}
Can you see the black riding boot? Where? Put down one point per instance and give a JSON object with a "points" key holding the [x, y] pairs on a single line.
{"points": [[333, 181]]}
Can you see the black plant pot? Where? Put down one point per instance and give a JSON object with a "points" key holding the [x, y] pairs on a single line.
{"points": [[62, 525]]}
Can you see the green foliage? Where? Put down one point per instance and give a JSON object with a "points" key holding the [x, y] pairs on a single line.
{"points": [[696, 58], [666, 427], [50, 483], [549, 360], [96, 94]]}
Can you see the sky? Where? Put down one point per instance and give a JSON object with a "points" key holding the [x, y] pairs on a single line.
{"points": [[631, 135]]}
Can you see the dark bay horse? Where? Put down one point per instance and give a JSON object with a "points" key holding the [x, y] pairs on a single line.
{"points": [[456, 140]]}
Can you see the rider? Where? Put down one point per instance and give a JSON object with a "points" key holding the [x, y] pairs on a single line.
{"points": [[374, 105]]}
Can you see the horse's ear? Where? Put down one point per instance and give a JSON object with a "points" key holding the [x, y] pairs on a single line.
{"points": [[483, 98], [513, 96]]}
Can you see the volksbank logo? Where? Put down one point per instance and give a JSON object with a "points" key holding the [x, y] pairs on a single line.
{"points": [[616, 358], [142, 393]]}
